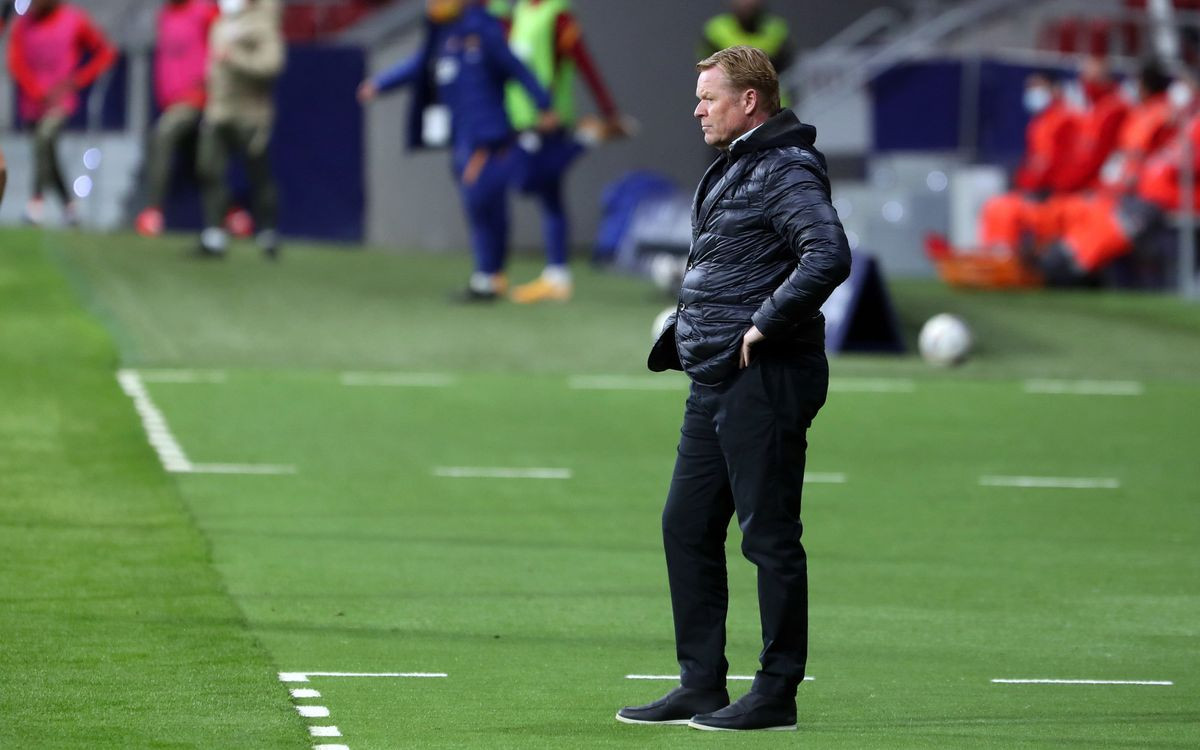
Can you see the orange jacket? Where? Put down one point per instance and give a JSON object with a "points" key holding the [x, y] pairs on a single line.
{"points": [[1048, 141], [1096, 139]]}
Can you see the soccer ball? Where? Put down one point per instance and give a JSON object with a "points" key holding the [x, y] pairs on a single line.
{"points": [[666, 269], [660, 322], [945, 340]]}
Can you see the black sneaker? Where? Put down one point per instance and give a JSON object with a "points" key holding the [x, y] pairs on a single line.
{"points": [[676, 707], [268, 242], [471, 295], [752, 711]]}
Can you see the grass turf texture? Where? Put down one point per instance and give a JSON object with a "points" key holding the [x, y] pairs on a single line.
{"points": [[538, 596]]}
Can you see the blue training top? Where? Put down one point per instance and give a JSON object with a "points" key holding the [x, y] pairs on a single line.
{"points": [[468, 61]]}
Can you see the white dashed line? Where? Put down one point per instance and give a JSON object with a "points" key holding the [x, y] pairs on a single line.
{"points": [[627, 383], [322, 712], [871, 385], [182, 376], [828, 477], [324, 732], [1061, 483], [675, 677], [499, 472], [304, 676], [398, 379], [1082, 682], [1085, 387]]}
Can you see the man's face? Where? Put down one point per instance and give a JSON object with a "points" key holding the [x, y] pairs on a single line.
{"points": [[443, 11], [722, 110], [746, 10]]}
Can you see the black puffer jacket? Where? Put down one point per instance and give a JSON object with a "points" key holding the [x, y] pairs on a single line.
{"points": [[767, 250]]}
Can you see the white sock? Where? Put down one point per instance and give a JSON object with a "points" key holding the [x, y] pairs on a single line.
{"points": [[560, 275], [482, 282], [215, 239]]}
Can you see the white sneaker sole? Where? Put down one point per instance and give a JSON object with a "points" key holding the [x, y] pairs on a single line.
{"points": [[672, 722], [788, 728]]}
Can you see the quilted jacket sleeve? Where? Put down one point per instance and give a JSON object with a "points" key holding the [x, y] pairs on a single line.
{"points": [[797, 204]]}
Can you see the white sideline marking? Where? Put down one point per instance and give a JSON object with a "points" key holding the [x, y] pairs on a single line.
{"points": [[305, 693], [499, 472], [331, 747], [241, 469], [313, 712], [1083, 682], [1086, 387], [182, 376], [170, 452], [829, 477], [675, 677], [1068, 483], [398, 379], [324, 732], [871, 385], [303, 676], [626, 383]]}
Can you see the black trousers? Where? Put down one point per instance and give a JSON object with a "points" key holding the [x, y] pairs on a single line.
{"points": [[741, 451]]}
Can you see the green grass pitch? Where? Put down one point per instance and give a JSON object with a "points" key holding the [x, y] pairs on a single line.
{"points": [[147, 609]]}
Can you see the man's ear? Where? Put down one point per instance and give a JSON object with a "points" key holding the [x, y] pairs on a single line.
{"points": [[750, 101]]}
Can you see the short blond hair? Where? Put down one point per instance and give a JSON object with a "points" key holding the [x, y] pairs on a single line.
{"points": [[747, 68]]}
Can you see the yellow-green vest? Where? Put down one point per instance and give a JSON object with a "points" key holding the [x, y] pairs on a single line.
{"points": [[533, 42]]}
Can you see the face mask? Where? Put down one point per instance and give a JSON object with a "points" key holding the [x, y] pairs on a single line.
{"points": [[1037, 98], [1131, 92], [231, 7], [1180, 95]]}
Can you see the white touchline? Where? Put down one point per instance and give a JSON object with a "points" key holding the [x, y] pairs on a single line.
{"points": [[829, 477], [305, 693], [182, 376], [324, 732], [871, 385], [1085, 387], [1068, 483], [170, 452], [499, 472], [627, 383], [675, 677], [331, 747], [313, 712], [242, 469], [303, 676], [1082, 682], [398, 379]]}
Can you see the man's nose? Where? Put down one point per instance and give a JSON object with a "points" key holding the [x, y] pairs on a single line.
{"points": [[699, 112]]}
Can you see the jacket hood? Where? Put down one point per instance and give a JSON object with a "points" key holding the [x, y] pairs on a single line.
{"points": [[784, 130], [781, 131]]}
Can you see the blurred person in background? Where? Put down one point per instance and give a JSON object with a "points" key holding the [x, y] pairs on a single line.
{"points": [[545, 35], [54, 52], [1103, 112], [1049, 142], [3, 175], [1068, 238], [246, 56], [768, 251], [180, 66], [749, 22], [462, 68]]}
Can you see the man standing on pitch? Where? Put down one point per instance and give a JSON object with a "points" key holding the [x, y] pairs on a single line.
{"points": [[767, 251]]}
